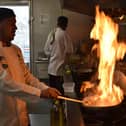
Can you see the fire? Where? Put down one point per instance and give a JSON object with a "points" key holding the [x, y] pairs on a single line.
{"points": [[106, 30]]}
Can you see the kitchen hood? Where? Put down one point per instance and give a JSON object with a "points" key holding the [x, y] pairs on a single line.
{"points": [[114, 8]]}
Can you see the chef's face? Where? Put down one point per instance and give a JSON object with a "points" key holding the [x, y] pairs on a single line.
{"points": [[8, 29]]}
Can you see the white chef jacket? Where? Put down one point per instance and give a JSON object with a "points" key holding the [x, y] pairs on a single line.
{"points": [[16, 78], [58, 50]]}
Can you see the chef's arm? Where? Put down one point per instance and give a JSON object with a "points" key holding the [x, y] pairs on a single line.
{"points": [[8, 85], [24, 91], [32, 84], [46, 91], [33, 81], [29, 78]]}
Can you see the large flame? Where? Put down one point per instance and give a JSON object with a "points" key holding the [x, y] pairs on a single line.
{"points": [[106, 31]]}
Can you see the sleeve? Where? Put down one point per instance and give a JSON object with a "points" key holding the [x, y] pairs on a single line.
{"points": [[47, 47], [7, 84], [29, 78]]}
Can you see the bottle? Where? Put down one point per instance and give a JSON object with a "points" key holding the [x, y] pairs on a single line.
{"points": [[57, 114], [67, 74], [67, 70]]}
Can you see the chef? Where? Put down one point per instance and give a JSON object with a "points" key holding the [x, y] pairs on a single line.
{"points": [[15, 76], [58, 48]]}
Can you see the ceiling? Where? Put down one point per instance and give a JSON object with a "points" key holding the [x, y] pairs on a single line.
{"points": [[113, 8]]}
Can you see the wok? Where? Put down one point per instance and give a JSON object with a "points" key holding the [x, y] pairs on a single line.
{"points": [[104, 113]]}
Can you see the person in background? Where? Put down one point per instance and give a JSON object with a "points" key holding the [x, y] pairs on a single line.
{"points": [[58, 48], [15, 76]]}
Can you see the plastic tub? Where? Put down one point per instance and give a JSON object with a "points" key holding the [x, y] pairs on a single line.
{"points": [[68, 86]]}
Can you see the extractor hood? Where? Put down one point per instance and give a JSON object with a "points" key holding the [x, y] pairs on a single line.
{"points": [[113, 8]]}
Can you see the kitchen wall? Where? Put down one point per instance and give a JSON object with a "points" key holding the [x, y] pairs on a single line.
{"points": [[43, 18], [45, 13], [122, 32], [79, 25]]}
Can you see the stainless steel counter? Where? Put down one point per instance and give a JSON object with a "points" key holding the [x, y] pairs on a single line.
{"points": [[40, 110], [74, 117], [41, 69]]}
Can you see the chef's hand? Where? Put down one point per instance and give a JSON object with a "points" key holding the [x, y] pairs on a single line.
{"points": [[50, 93]]}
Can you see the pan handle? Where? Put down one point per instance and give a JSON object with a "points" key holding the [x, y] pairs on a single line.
{"points": [[70, 99]]}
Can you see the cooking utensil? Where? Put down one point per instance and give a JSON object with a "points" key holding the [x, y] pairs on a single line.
{"points": [[86, 106], [100, 112], [105, 113], [70, 99]]}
